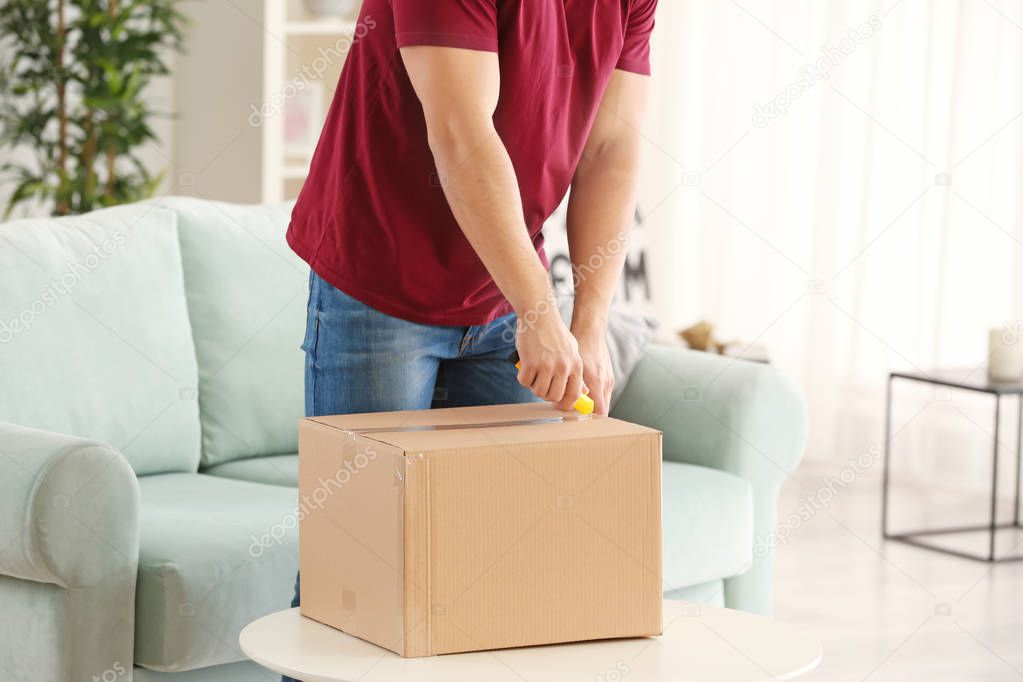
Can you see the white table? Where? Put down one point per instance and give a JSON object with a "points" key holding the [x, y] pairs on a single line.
{"points": [[700, 643]]}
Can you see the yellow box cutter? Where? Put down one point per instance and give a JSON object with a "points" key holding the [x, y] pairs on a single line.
{"points": [[584, 405]]}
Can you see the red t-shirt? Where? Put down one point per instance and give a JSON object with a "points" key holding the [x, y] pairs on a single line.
{"points": [[372, 218]]}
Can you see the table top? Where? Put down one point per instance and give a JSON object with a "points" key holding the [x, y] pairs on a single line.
{"points": [[968, 378], [704, 643]]}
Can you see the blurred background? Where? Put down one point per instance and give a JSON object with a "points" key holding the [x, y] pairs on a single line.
{"points": [[832, 186]]}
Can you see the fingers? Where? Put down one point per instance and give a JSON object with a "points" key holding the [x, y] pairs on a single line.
{"points": [[554, 377], [563, 382], [558, 380], [556, 392], [573, 390], [541, 385], [527, 374]]}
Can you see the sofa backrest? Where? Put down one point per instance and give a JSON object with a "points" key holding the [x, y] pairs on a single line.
{"points": [[95, 338], [247, 294]]}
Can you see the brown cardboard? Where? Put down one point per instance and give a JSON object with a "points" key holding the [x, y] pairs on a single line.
{"points": [[441, 531]]}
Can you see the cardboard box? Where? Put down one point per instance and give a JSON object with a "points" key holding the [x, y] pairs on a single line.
{"points": [[440, 531]]}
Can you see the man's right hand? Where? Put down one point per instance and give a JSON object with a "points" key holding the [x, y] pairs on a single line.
{"points": [[549, 360]]}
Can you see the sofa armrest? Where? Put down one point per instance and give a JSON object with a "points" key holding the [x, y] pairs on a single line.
{"points": [[745, 418], [69, 547]]}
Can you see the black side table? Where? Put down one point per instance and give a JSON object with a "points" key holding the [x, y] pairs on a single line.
{"points": [[977, 382]]}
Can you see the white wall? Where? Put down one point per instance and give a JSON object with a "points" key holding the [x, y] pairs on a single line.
{"points": [[873, 224], [216, 152]]}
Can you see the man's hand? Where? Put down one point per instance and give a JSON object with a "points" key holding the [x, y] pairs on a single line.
{"points": [[598, 374], [549, 361]]}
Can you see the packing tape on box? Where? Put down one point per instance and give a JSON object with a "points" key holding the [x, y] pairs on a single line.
{"points": [[478, 425], [351, 434]]}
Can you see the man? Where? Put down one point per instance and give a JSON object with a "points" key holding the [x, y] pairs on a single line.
{"points": [[456, 129]]}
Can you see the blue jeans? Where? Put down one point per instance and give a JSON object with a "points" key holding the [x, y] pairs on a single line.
{"points": [[361, 360]]}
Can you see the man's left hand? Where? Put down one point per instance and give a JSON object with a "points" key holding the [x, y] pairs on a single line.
{"points": [[597, 371]]}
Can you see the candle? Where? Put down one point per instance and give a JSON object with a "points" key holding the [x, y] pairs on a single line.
{"points": [[1005, 354]]}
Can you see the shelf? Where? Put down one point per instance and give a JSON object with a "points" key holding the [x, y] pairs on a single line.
{"points": [[293, 36], [320, 28]]}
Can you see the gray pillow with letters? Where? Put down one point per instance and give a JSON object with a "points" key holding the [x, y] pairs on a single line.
{"points": [[628, 335]]}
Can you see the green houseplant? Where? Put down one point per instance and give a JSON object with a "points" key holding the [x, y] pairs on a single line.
{"points": [[73, 75]]}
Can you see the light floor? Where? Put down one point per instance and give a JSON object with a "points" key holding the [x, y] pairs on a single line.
{"points": [[885, 611]]}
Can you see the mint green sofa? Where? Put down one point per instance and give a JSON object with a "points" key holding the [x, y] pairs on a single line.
{"points": [[151, 388]]}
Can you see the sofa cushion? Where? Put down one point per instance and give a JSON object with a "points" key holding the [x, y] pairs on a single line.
{"points": [[214, 554], [247, 295], [94, 333], [708, 525], [273, 470]]}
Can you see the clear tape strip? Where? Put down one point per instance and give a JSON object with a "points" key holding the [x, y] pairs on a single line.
{"points": [[481, 425]]}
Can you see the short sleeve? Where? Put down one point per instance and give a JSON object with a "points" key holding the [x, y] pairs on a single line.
{"points": [[636, 50], [470, 24]]}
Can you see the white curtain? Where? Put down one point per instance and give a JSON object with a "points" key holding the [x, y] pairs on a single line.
{"points": [[869, 220]]}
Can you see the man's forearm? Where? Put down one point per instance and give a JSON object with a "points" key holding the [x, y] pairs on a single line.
{"points": [[479, 181], [480, 184], [599, 221]]}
